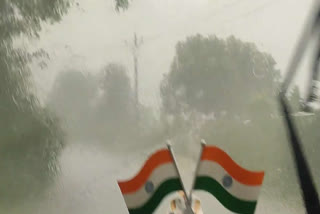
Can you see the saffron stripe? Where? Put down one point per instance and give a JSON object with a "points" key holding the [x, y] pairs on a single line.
{"points": [[237, 189], [169, 186], [224, 197], [212, 153], [160, 157], [158, 176]]}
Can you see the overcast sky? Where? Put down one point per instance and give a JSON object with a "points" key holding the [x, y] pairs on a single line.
{"points": [[93, 34]]}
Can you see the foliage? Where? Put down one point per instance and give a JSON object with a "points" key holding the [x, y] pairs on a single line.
{"points": [[71, 99], [115, 111], [24, 17], [224, 91], [30, 137], [209, 74], [101, 108], [122, 4]]}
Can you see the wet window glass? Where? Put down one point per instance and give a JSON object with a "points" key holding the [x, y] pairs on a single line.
{"points": [[89, 89]]}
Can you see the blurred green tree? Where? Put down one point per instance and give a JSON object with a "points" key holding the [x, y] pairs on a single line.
{"points": [[212, 75], [225, 91], [115, 111], [72, 98], [122, 4], [30, 136], [100, 107]]}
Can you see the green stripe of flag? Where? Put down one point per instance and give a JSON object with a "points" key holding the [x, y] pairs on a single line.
{"points": [[224, 197], [164, 189]]}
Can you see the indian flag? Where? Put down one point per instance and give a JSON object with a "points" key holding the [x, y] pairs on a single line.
{"points": [[157, 178], [235, 187]]}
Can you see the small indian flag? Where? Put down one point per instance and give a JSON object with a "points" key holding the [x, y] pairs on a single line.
{"points": [[157, 178], [235, 187]]}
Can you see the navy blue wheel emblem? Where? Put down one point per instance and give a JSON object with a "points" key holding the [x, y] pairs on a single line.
{"points": [[227, 181], [149, 187]]}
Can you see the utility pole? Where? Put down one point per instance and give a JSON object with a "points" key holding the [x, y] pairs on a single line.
{"points": [[137, 42]]}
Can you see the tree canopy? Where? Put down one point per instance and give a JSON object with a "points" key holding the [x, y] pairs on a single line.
{"points": [[115, 108], [30, 136], [122, 4], [25, 17], [225, 77], [209, 74], [71, 99], [97, 106]]}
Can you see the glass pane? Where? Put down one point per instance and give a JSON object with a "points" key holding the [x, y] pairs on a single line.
{"points": [[89, 89]]}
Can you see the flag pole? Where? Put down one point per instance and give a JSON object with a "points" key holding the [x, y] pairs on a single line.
{"points": [[203, 144], [177, 169]]}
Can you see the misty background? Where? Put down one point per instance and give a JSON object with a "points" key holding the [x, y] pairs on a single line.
{"points": [[72, 121]]}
